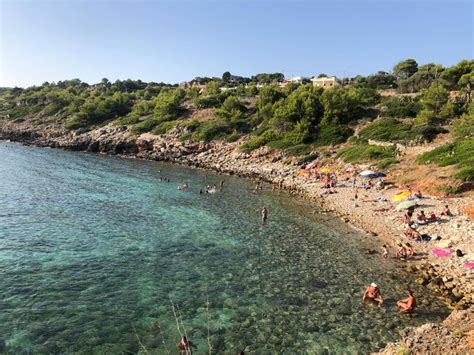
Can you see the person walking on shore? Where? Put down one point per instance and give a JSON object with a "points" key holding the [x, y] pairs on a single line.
{"points": [[264, 213]]}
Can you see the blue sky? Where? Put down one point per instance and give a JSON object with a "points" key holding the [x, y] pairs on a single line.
{"points": [[172, 41]]}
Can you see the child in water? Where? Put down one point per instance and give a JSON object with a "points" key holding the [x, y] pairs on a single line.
{"points": [[384, 251]]}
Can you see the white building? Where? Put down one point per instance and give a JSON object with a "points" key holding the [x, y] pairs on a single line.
{"points": [[324, 82]]}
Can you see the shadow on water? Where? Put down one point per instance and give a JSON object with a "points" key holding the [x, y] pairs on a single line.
{"points": [[92, 250]]}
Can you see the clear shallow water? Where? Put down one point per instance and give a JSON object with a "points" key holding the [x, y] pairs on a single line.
{"points": [[93, 249]]}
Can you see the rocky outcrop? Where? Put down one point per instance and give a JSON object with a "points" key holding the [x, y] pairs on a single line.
{"points": [[454, 336]]}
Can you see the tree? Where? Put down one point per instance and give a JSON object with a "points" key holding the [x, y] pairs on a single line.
{"points": [[337, 105], [381, 80], [212, 88], [232, 107], [450, 77], [466, 83], [425, 76], [405, 69], [269, 95], [168, 104], [434, 98], [226, 77]]}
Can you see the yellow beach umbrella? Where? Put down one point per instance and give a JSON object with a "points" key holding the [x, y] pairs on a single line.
{"points": [[400, 196], [325, 170]]}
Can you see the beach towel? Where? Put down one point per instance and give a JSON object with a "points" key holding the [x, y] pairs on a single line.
{"points": [[469, 265], [441, 252]]}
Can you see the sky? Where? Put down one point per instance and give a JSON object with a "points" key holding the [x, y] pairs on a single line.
{"points": [[174, 41]]}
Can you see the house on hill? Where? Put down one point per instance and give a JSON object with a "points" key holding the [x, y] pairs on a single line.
{"points": [[324, 82]]}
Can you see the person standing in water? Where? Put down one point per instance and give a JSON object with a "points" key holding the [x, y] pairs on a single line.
{"points": [[264, 213]]}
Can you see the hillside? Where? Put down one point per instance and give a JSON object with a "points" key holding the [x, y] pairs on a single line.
{"points": [[389, 120]]}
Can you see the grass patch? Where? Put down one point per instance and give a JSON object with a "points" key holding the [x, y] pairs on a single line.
{"points": [[362, 153], [459, 153]]}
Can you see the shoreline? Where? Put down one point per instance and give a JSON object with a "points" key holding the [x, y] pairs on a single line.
{"points": [[447, 277]]}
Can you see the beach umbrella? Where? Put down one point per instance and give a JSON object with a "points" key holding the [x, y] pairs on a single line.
{"points": [[405, 205], [325, 170], [400, 196], [369, 174]]}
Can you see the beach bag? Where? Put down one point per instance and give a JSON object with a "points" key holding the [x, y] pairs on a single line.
{"points": [[425, 237]]}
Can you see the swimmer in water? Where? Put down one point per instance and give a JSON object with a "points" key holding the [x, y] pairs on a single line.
{"points": [[264, 213]]}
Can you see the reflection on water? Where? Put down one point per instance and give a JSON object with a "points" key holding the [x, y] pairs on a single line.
{"points": [[94, 249]]}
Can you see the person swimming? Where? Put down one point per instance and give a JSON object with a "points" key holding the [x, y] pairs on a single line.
{"points": [[372, 293], [264, 213]]}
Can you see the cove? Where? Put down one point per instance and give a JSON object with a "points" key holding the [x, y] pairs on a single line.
{"points": [[94, 250]]}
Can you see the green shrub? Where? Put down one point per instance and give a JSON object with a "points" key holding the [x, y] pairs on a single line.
{"points": [[234, 136], [288, 140], [75, 123], [385, 163], [192, 126], [207, 102], [144, 126], [125, 121], [186, 137], [300, 149], [308, 157], [264, 138], [464, 126], [365, 153], [466, 173], [448, 190], [332, 135], [459, 153], [51, 109], [212, 129], [400, 107], [385, 129], [392, 130], [164, 127]]}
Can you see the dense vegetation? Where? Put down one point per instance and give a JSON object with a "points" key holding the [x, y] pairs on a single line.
{"points": [[459, 153], [299, 118]]}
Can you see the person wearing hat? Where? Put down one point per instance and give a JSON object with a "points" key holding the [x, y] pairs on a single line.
{"points": [[372, 293]]}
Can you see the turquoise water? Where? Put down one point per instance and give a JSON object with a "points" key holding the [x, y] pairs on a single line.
{"points": [[94, 250]]}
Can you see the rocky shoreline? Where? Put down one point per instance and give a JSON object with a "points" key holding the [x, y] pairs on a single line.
{"points": [[448, 277]]}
